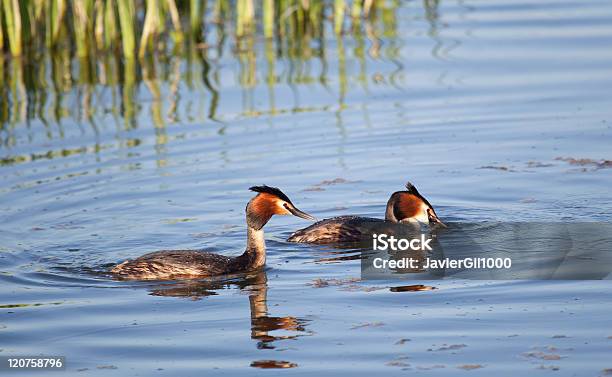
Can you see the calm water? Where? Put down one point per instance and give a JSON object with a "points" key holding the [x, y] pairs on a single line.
{"points": [[496, 110]]}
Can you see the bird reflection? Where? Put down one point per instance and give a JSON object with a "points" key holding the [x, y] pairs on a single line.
{"points": [[256, 284]]}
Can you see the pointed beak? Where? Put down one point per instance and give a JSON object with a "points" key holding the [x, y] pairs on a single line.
{"points": [[296, 212], [434, 219]]}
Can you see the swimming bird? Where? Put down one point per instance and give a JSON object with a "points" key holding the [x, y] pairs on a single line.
{"points": [[173, 264], [407, 206]]}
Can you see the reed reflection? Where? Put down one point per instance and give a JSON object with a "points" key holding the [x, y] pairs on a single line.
{"points": [[263, 325], [105, 75]]}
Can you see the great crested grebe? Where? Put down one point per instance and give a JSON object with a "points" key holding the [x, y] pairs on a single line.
{"points": [[172, 264], [407, 206]]}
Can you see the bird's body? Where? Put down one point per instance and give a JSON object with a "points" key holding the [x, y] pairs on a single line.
{"points": [[403, 207], [347, 228], [176, 264]]}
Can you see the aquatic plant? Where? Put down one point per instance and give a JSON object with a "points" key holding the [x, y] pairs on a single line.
{"points": [[53, 49], [92, 26]]}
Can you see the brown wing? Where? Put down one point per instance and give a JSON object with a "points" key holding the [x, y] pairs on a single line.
{"points": [[343, 229], [172, 264]]}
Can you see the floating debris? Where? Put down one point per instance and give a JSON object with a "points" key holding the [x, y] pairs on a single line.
{"points": [[367, 324], [502, 168], [398, 362], [345, 284], [319, 186], [537, 164], [596, 164], [314, 188], [470, 366], [402, 341], [446, 347], [322, 283], [335, 181], [551, 367], [541, 355], [319, 283]]}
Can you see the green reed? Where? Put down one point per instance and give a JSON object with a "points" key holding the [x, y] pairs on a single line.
{"points": [[127, 26], [53, 49], [13, 20], [136, 28]]}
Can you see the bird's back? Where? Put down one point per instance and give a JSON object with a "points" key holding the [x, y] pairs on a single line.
{"points": [[342, 229], [171, 264]]}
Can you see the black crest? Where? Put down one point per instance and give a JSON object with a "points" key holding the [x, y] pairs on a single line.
{"points": [[411, 189], [272, 191]]}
